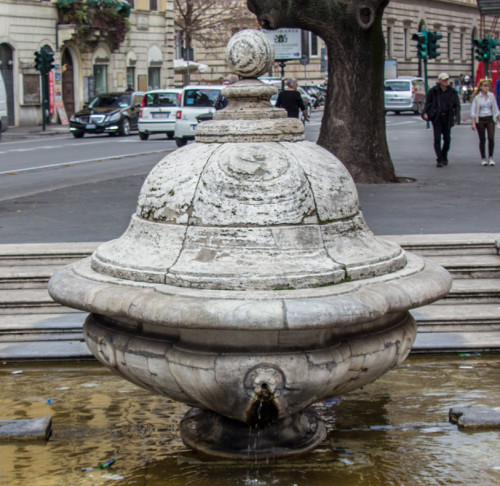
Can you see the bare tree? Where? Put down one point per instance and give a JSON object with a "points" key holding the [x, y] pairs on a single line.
{"points": [[353, 126], [210, 22]]}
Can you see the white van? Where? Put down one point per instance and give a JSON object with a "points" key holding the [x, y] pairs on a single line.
{"points": [[4, 118], [195, 101], [158, 112]]}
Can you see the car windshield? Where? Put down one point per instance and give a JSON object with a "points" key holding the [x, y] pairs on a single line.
{"points": [[200, 97], [397, 86], [107, 100], [161, 99]]}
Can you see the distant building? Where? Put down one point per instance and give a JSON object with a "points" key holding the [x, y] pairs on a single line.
{"points": [[96, 49], [457, 20]]}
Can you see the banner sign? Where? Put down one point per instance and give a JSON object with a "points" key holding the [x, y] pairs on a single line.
{"points": [[287, 43]]}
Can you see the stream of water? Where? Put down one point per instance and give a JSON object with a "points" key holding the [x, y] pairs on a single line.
{"points": [[393, 432]]}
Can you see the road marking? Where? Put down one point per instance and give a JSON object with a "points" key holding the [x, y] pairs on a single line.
{"points": [[395, 123], [77, 162], [34, 138], [46, 147]]}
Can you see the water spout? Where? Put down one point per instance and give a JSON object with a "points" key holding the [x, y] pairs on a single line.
{"points": [[264, 409]]}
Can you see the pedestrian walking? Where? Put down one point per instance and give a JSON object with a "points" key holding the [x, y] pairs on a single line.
{"points": [[484, 112], [442, 108], [497, 91], [291, 101]]}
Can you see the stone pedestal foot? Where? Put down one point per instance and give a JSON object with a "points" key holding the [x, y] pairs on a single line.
{"points": [[216, 435]]}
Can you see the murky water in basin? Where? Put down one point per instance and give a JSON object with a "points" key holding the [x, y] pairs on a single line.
{"points": [[393, 432]]}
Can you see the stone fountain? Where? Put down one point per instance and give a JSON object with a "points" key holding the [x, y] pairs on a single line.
{"points": [[248, 284]]}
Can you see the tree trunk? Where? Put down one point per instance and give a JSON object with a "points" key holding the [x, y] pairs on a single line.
{"points": [[353, 126]]}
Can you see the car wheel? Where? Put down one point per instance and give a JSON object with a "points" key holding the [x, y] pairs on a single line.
{"points": [[170, 135], [78, 134], [143, 135], [180, 142], [125, 127]]}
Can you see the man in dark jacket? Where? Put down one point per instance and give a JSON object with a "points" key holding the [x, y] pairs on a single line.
{"points": [[442, 108], [291, 101]]}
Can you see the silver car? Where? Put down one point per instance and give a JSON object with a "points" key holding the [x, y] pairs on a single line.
{"points": [[406, 93]]}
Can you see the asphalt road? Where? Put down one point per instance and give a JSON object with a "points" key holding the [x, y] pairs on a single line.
{"points": [[57, 188]]}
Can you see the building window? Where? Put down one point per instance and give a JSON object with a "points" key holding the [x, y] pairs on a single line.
{"points": [[179, 44], [153, 4], [313, 44], [154, 77], [462, 46], [405, 43], [389, 42], [131, 77], [101, 78], [450, 46]]}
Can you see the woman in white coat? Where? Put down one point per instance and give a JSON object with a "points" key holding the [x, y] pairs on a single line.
{"points": [[484, 113]]}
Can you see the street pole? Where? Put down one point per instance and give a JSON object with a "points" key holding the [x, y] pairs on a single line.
{"points": [[44, 101], [426, 81], [282, 65]]}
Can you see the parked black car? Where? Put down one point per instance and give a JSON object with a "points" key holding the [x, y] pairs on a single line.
{"points": [[113, 113]]}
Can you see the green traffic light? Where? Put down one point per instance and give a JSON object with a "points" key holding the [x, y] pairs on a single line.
{"points": [[434, 44], [422, 43]]}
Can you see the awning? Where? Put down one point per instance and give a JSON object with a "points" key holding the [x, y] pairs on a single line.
{"points": [[489, 7], [180, 65]]}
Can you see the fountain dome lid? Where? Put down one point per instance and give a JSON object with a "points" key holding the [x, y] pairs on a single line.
{"points": [[250, 227], [250, 205]]}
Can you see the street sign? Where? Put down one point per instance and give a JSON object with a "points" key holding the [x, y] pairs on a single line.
{"points": [[287, 43]]}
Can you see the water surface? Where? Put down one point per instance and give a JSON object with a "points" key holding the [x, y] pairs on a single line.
{"points": [[393, 432]]}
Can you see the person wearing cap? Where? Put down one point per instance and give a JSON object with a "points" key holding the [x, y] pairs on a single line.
{"points": [[442, 108], [484, 112]]}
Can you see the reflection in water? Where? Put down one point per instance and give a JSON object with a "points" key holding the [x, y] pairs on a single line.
{"points": [[392, 432]]}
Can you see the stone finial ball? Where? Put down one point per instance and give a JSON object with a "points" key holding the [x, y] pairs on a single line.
{"points": [[249, 53]]}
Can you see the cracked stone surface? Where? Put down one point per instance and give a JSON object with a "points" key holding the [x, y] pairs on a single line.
{"points": [[248, 263]]}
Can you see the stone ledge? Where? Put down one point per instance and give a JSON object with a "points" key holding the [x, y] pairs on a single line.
{"points": [[29, 429], [475, 417]]}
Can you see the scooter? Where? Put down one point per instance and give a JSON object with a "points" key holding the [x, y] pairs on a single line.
{"points": [[466, 93]]}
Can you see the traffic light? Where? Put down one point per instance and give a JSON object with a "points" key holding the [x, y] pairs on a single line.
{"points": [[433, 44], [422, 44], [483, 49], [38, 61], [479, 49], [49, 60], [494, 50]]}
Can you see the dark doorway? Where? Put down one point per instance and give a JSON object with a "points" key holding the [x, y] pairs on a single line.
{"points": [[7, 70], [68, 87]]}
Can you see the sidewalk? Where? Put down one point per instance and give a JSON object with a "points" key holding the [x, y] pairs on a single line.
{"points": [[18, 133], [463, 197]]}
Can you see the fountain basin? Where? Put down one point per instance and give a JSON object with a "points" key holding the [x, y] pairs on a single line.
{"points": [[213, 349]]}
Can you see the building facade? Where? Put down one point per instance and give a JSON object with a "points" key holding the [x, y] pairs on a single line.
{"points": [[89, 59], [89, 56], [457, 20]]}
